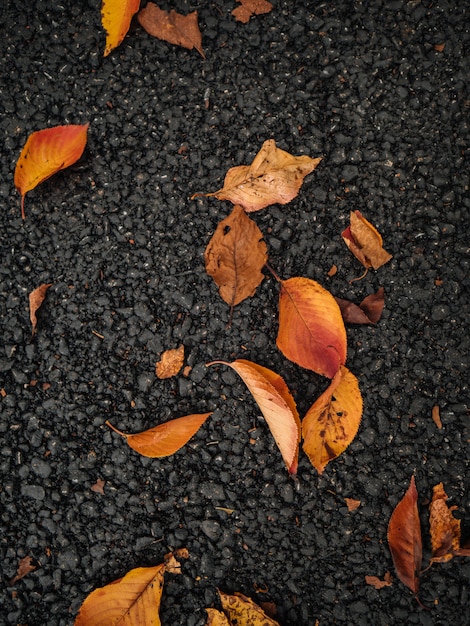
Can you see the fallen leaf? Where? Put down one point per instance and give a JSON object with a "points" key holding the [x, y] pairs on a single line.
{"points": [[249, 8], [116, 17], [365, 242], [332, 271], [45, 153], [98, 487], [311, 329], [377, 583], [332, 422], [404, 538], [170, 363], [444, 528], [352, 504], [164, 439], [182, 30], [436, 417], [172, 560], [243, 611], [36, 298], [275, 176], [216, 618], [368, 312], [26, 565], [439, 47], [276, 404], [235, 255]]}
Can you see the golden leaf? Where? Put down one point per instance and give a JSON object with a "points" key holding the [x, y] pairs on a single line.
{"points": [[243, 611], [170, 363], [365, 242], [116, 17]]}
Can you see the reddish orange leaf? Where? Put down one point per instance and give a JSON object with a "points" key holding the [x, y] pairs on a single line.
{"points": [[275, 176], [181, 30], [235, 255], [45, 153], [365, 242], [116, 17], [311, 328], [165, 439], [170, 363], [332, 422], [377, 583], [26, 565], [249, 8], [444, 528], [368, 312], [276, 404], [404, 539], [36, 298], [243, 611]]}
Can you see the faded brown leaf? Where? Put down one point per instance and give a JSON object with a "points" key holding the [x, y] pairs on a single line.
{"points": [[436, 416], [98, 487], [170, 363], [377, 583], [26, 565], [249, 8], [36, 298]]}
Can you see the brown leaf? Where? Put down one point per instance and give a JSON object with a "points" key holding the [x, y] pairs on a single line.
{"points": [[365, 242], [98, 487], [249, 8], [377, 583], [368, 312], [436, 417], [182, 30], [36, 298], [275, 176], [235, 255], [373, 305], [26, 565], [444, 528], [170, 363], [404, 539], [352, 504], [243, 611]]}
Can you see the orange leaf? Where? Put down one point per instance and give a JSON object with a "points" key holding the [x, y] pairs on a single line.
{"points": [[365, 242], [182, 30], [436, 416], [404, 538], [216, 618], [444, 528], [332, 422], [46, 152], [276, 404], [235, 255], [36, 298], [311, 328], [352, 504], [243, 611], [368, 312], [165, 439], [116, 16], [170, 363], [377, 583], [274, 176], [249, 8]]}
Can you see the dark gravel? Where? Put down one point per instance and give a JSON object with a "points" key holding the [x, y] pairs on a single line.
{"points": [[361, 84]]}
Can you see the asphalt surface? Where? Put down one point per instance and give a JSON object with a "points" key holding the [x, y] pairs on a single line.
{"points": [[380, 91]]}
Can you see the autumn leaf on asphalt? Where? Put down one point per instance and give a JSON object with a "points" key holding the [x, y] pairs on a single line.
{"points": [[164, 439], [275, 176], [276, 404], [36, 298], [242, 611], [404, 539], [98, 487], [369, 311], [444, 528], [181, 30], [249, 8], [376, 582], [235, 255], [216, 618], [352, 503], [333, 420], [365, 242], [116, 16], [311, 329], [170, 363], [45, 153], [26, 565]]}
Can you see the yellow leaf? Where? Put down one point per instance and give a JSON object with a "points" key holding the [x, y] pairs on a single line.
{"points": [[170, 363], [332, 422], [216, 618], [116, 16], [242, 611]]}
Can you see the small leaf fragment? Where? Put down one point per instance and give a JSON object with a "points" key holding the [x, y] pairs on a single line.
{"points": [[376, 582], [98, 487], [216, 618], [352, 504], [369, 311], [444, 528], [365, 242], [36, 298], [243, 611], [248, 8], [436, 416], [116, 17], [170, 363], [404, 538], [26, 565]]}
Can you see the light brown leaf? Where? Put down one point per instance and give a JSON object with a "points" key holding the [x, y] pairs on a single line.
{"points": [[352, 504], [365, 242], [36, 298], [275, 176], [164, 439], [332, 422], [170, 363], [116, 17], [26, 565], [377, 583], [368, 312], [181, 30], [404, 538], [243, 611], [249, 8], [444, 528], [98, 487], [436, 416], [235, 255]]}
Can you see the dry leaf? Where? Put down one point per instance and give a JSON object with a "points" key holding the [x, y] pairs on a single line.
{"points": [[368, 312], [444, 528], [436, 417], [332, 271], [311, 328], [164, 439], [243, 611], [36, 298], [274, 176], [46, 152], [170, 363], [172, 560], [26, 565], [365, 242], [249, 8], [98, 487], [116, 16], [332, 422], [404, 538], [377, 583], [235, 255], [182, 30], [352, 504], [216, 618]]}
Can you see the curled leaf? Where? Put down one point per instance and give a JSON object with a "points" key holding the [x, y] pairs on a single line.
{"points": [[170, 363], [311, 328], [332, 422], [36, 298], [404, 538], [46, 152], [116, 17], [444, 528], [365, 242], [165, 439], [243, 611], [248, 8], [368, 312]]}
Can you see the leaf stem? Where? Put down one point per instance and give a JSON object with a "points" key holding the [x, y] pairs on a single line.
{"points": [[119, 432], [268, 267]]}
